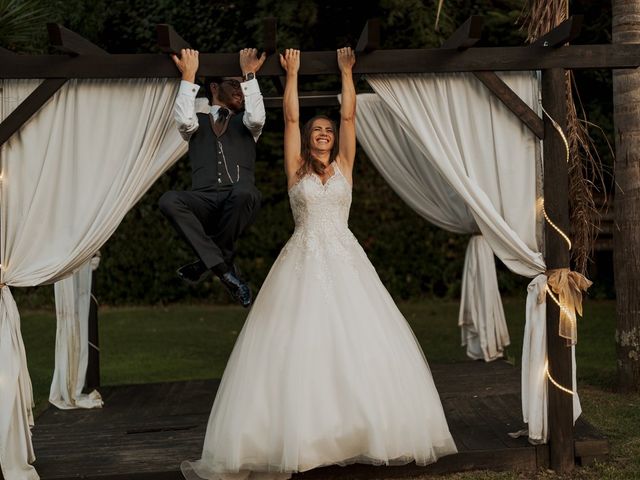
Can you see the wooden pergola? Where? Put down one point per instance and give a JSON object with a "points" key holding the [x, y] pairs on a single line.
{"points": [[551, 54]]}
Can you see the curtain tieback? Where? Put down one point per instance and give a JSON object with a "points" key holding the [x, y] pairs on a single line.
{"points": [[568, 286]]}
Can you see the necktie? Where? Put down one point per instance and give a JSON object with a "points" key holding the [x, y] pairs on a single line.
{"points": [[219, 126]]}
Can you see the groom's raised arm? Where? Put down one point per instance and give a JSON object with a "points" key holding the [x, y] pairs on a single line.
{"points": [[254, 112], [184, 111]]}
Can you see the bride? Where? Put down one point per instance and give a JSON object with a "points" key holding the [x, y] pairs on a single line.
{"points": [[326, 369]]}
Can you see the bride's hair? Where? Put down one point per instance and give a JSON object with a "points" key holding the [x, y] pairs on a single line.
{"points": [[309, 162]]}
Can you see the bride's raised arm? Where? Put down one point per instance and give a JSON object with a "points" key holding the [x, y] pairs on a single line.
{"points": [[347, 152], [290, 61]]}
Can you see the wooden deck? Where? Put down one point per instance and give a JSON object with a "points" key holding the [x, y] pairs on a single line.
{"points": [[145, 431]]}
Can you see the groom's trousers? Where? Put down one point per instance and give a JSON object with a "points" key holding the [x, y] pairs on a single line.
{"points": [[211, 221]]}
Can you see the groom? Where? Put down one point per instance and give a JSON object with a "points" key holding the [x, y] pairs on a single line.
{"points": [[223, 200]]}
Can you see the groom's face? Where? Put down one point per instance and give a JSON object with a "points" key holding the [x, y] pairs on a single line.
{"points": [[322, 135], [229, 93]]}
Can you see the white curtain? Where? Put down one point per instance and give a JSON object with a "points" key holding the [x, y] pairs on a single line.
{"points": [[487, 157], [481, 319], [403, 165], [68, 178], [73, 300]]}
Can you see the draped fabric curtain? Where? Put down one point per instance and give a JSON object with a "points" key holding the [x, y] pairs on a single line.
{"points": [[401, 162], [73, 300], [458, 130], [68, 178], [482, 323]]}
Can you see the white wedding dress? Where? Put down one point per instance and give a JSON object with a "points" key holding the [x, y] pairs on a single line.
{"points": [[326, 369]]}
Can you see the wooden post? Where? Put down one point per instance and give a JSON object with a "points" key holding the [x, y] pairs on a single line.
{"points": [[92, 379], [556, 185]]}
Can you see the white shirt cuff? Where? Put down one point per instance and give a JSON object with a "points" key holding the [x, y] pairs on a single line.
{"points": [[188, 88], [250, 87]]}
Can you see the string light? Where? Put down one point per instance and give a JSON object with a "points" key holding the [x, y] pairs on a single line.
{"points": [[562, 307], [566, 238], [559, 130], [555, 383], [555, 227]]}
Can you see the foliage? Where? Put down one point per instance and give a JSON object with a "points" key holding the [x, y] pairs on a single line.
{"points": [[22, 23]]}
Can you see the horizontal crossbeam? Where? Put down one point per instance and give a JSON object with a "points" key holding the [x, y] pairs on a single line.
{"points": [[321, 63], [307, 99]]}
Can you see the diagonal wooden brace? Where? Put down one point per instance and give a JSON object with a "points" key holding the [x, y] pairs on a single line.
{"points": [[67, 41], [465, 37], [29, 106], [512, 101]]}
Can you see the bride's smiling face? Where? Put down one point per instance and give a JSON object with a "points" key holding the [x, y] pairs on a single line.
{"points": [[322, 135]]}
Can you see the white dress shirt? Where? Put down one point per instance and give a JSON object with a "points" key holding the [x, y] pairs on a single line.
{"points": [[185, 108]]}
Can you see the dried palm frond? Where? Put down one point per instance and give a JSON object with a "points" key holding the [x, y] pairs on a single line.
{"points": [[440, 2], [585, 167]]}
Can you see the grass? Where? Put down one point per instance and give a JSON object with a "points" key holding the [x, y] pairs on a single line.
{"points": [[155, 344]]}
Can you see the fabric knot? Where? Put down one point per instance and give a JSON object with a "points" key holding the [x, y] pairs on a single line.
{"points": [[568, 285]]}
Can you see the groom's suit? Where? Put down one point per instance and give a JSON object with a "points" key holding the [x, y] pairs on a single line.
{"points": [[223, 200]]}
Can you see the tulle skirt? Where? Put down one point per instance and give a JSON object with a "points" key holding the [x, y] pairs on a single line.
{"points": [[325, 371]]}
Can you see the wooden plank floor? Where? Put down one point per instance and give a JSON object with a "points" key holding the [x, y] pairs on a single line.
{"points": [[145, 431]]}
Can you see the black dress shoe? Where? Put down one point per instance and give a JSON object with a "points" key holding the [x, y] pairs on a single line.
{"points": [[238, 289], [193, 273]]}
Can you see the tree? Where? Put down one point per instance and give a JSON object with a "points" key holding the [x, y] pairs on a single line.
{"points": [[626, 236]]}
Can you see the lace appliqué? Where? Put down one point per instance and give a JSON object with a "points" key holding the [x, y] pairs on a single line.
{"points": [[321, 213]]}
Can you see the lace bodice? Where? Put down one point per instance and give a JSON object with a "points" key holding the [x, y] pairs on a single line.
{"points": [[319, 207]]}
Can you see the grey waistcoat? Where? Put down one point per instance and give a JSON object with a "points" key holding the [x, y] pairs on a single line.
{"points": [[208, 153]]}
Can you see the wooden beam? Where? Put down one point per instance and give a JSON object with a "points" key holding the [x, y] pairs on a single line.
{"points": [[67, 41], [270, 35], [307, 99], [270, 46], [512, 101], [168, 40], [279, 83], [324, 63], [563, 33], [556, 202], [70, 42], [467, 35], [370, 37], [29, 106]]}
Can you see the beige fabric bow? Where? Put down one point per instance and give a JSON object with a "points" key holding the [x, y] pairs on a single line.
{"points": [[568, 286]]}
